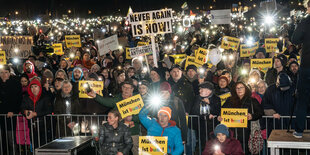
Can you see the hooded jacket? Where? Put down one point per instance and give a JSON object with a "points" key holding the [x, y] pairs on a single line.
{"points": [[32, 74], [75, 83], [175, 146]]}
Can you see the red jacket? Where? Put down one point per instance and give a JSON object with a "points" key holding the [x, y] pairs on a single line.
{"points": [[231, 146]]}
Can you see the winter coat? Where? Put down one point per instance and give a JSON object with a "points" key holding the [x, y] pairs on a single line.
{"points": [[10, 95], [113, 140], [175, 146], [271, 75]]}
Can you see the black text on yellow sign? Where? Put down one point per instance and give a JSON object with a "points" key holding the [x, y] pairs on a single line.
{"points": [[2, 58], [248, 50], [141, 43], [97, 86], [261, 64], [190, 60], [128, 53], [201, 56], [73, 41], [271, 45], [230, 43], [58, 49], [234, 117], [154, 145], [130, 106]]}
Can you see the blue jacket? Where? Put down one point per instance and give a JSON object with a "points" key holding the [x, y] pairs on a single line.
{"points": [[175, 145]]}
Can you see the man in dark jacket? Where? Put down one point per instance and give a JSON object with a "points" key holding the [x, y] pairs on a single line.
{"points": [[301, 36], [278, 66]]}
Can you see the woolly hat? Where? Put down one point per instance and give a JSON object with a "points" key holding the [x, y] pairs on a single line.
{"points": [[282, 58], [223, 77], [193, 67], [263, 50], [165, 86], [221, 128], [207, 85], [165, 110], [283, 80]]}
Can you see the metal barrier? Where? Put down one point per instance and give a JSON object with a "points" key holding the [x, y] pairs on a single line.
{"points": [[20, 136]]}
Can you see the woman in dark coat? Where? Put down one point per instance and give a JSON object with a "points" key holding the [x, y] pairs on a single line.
{"points": [[241, 98]]}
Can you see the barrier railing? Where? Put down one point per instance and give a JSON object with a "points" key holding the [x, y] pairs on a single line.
{"points": [[21, 136]]}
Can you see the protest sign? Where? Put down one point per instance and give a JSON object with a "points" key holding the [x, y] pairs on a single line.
{"points": [[154, 145], [151, 22], [141, 50], [97, 86], [230, 43], [130, 106], [201, 55], [190, 60], [2, 58], [73, 41], [58, 49], [248, 50], [178, 58], [236, 118], [221, 16], [16, 46], [224, 97], [108, 44], [141, 43], [261, 64], [271, 45], [128, 53]]}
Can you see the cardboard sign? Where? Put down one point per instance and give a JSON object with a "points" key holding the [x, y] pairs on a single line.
{"points": [[141, 50], [141, 43], [154, 145], [151, 22], [97, 86], [17, 46], [2, 58], [248, 50], [108, 44], [130, 106], [224, 97], [235, 118], [271, 45], [190, 60], [128, 53], [230, 43], [58, 49], [73, 41], [221, 16], [261, 64], [201, 56]]}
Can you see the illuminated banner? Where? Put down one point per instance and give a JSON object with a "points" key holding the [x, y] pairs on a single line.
{"points": [[224, 97], [73, 41], [248, 50], [16, 46], [221, 16], [151, 22], [201, 55], [58, 49], [153, 145], [235, 118], [130, 106], [230, 43], [108, 44], [271, 44], [190, 60], [141, 50], [261, 64], [141, 43], [2, 58], [97, 86]]}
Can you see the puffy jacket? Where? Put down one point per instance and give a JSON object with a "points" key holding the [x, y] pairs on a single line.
{"points": [[113, 140], [175, 145]]}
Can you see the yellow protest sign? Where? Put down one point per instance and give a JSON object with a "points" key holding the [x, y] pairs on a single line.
{"points": [[153, 145], [230, 43], [190, 60], [97, 86], [201, 55], [141, 43], [2, 58], [271, 45], [128, 53], [130, 106], [248, 50], [224, 97], [58, 49], [235, 118], [261, 64], [178, 56], [73, 41]]}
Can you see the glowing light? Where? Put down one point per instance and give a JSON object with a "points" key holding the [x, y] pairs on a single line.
{"points": [[72, 55], [269, 20], [16, 60], [201, 70], [231, 57], [140, 58], [16, 50], [244, 72]]}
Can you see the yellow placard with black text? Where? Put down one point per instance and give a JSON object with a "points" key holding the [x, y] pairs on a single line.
{"points": [[2, 58], [153, 145], [58, 49], [73, 41], [224, 97], [201, 56], [261, 64], [141, 43], [230, 43], [248, 50], [271, 45], [234, 117], [190, 60], [97, 86], [128, 53], [130, 106]]}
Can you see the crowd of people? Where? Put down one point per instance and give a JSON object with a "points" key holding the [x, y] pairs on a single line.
{"points": [[48, 84]]}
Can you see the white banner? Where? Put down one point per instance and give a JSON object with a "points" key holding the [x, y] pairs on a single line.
{"points": [[151, 22], [108, 44], [141, 50], [221, 16], [16, 46]]}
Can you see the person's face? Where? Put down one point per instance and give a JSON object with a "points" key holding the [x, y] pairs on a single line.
{"points": [[143, 89], [105, 73], [227, 76], [221, 137], [28, 67], [294, 68], [291, 60], [176, 74], [167, 75], [165, 94], [121, 78], [4, 74], [150, 60], [121, 59], [261, 88], [277, 63], [191, 73], [127, 90], [86, 57], [223, 83], [154, 76], [66, 88], [57, 85], [260, 55], [77, 74], [63, 64], [35, 89], [137, 64], [131, 72], [95, 69], [60, 75], [205, 92], [240, 89], [163, 119], [24, 81], [112, 119]]}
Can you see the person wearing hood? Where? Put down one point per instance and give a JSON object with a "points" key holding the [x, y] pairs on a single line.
{"points": [[279, 65], [157, 77], [164, 126], [36, 105], [86, 61], [223, 143], [77, 75], [293, 68], [29, 69]]}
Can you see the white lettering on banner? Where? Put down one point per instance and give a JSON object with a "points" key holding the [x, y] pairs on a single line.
{"points": [[108, 44], [141, 50], [221, 16], [22, 43], [151, 22]]}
